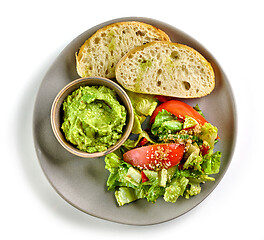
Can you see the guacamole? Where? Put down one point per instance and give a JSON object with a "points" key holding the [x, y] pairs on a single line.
{"points": [[93, 118]]}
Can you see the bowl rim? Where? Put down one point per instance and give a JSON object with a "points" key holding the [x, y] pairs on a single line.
{"points": [[55, 109]]}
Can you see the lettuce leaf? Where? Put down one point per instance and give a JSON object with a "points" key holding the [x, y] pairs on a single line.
{"points": [[118, 170], [189, 122], [194, 159], [211, 163], [175, 189], [208, 134], [144, 104], [154, 192], [112, 181], [128, 194], [112, 162], [161, 117], [165, 123], [192, 189], [133, 176], [125, 195], [138, 120]]}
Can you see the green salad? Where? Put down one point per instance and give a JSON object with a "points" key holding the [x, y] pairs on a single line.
{"points": [[171, 158]]}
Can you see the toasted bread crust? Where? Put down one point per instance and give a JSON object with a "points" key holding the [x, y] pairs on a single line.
{"points": [[100, 53], [166, 68]]}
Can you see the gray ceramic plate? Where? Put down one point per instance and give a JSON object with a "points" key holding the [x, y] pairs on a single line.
{"points": [[82, 182]]}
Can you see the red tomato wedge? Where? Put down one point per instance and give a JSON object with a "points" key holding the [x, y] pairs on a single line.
{"points": [[180, 110], [144, 177], [204, 149], [156, 156], [163, 98], [143, 142]]}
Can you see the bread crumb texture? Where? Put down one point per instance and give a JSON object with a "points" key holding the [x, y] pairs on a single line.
{"points": [[165, 68], [99, 55]]}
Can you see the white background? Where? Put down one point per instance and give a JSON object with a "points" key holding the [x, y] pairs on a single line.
{"points": [[33, 33]]}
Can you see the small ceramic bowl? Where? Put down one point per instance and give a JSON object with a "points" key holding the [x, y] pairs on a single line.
{"points": [[57, 114]]}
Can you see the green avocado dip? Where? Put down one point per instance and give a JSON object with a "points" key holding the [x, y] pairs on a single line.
{"points": [[93, 118]]}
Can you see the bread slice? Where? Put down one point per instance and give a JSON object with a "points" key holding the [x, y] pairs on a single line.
{"points": [[99, 54], [166, 68]]}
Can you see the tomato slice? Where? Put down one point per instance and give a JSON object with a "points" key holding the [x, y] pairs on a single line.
{"points": [[144, 178], [162, 98], [143, 142], [180, 110], [204, 149], [156, 156]]}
